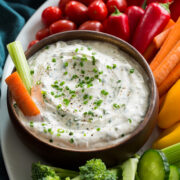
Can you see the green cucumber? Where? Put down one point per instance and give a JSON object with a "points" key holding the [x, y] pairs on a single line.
{"points": [[153, 165], [129, 168], [174, 173]]}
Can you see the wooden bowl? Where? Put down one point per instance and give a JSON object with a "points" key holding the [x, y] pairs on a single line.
{"points": [[68, 157]]}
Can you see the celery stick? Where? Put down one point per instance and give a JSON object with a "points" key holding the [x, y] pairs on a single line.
{"points": [[17, 54], [172, 153]]}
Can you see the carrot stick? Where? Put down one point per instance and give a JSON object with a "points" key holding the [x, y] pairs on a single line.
{"points": [[150, 52], [168, 64], [21, 95], [169, 24], [170, 80], [172, 39], [160, 38]]}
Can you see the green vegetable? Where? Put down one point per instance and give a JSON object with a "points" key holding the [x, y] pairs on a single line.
{"points": [[129, 168], [95, 169], [174, 173], [172, 153], [17, 54], [153, 165], [44, 172]]}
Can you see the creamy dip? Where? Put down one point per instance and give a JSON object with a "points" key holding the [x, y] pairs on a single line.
{"points": [[94, 94]]}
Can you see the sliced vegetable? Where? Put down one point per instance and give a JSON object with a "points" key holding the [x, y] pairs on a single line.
{"points": [[153, 165], [17, 54], [129, 168], [172, 153], [168, 64], [170, 80], [21, 95], [170, 112], [169, 24], [174, 173], [172, 39], [160, 38], [168, 137]]}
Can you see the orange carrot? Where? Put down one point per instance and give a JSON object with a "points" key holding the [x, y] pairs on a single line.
{"points": [[150, 52], [21, 95], [172, 39], [168, 64], [169, 24], [170, 80], [160, 38]]}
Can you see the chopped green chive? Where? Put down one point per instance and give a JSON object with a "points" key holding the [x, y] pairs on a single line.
{"points": [[50, 131], [85, 96], [70, 133], [74, 77], [118, 81], [93, 53], [82, 71], [71, 140], [114, 66], [65, 73], [76, 50], [101, 72], [53, 60], [58, 106], [108, 67], [38, 82], [62, 83], [47, 47], [93, 60], [55, 82], [131, 71], [67, 88], [95, 70], [61, 57], [104, 92], [32, 72], [66, 102], [66, 64], [81, 64], [116, 106], [44, 93], [98, 102], [90, 97], [98, 129], [85, 102], [130, 121], [48, 67], [89, 48], [31, 124], [74, 57], [52, 93]]}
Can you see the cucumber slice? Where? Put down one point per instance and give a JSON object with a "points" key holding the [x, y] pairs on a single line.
{"points": [[153, 165], [129, 168], [174, 173]]}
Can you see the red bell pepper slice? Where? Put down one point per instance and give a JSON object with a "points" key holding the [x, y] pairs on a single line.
{"points": [[134, 14], [117, 25], [154, 20]]}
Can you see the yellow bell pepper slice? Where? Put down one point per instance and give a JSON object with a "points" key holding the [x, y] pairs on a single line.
{"points": [[170, 111], [168, 137]]}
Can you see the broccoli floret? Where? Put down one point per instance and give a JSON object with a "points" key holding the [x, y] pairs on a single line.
{"points": [[44, 172], [95, 169]]}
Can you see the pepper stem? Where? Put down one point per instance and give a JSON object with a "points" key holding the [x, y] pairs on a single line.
{"points": [[165, 6], [144, 4], [116, 12]]}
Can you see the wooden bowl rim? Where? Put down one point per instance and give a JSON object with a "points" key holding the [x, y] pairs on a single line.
{"points": [[97, 36]]}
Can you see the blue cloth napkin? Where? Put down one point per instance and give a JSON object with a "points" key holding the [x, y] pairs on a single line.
{"points": [[13, 16]]}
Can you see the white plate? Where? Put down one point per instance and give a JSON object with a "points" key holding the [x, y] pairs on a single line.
{"points": [[18, 158]]}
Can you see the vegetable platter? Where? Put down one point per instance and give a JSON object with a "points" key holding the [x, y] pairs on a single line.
{"points": [[155, 35]]}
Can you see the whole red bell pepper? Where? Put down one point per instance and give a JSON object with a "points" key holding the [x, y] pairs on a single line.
{"points": [[154, 20], [117, 25], [134, 14], [175, 9]]}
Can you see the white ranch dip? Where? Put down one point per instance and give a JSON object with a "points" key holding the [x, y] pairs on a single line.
{"points": [[94, 94]]}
